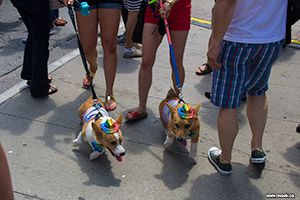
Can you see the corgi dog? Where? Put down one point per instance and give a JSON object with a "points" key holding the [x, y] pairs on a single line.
{"points": [[181, 121], [100, 130]]}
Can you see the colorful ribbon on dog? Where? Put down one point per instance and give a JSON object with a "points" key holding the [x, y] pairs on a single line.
{"points": [[192, 134], [98, 147], [185, 111], [109, 126]]}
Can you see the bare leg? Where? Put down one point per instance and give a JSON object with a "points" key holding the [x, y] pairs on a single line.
{"points": [[178, 40], [130, 25], [227, 129], [257, 111], [150, 45], [6, 190], [109, 24], [88, 28]]}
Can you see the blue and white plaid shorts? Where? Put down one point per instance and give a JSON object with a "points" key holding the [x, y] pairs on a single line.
{"points": [[245, 68]]}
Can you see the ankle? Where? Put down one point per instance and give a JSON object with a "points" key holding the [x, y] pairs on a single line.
{"points": [[256, 146], [93, 69], [224, 161]]}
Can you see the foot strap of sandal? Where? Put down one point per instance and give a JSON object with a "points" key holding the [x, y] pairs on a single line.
{"points": [[110, 98], [92, 74]]}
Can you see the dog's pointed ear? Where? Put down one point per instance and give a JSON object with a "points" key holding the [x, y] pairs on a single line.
{"points": [[119, 119], [172, 109], [196, 109], [97, 129]]}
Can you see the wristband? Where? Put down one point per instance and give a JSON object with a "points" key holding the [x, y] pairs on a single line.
{"points": [[170, 2]]}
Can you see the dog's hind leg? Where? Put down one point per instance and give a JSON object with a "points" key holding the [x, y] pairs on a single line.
{"points": [[193, 153], [78, 140]]}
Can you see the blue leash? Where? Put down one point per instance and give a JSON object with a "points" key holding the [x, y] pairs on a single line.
{"points": [[179, 87]]}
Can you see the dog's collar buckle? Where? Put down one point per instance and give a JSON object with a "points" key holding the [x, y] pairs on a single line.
{"points": [[98, 108]]}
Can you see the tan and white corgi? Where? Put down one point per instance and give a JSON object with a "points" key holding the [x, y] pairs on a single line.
{"points": [[100, 130], [181, 122]]}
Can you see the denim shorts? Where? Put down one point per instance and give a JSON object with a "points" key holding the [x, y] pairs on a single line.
{"points": [[245, 69], [108, 4]]}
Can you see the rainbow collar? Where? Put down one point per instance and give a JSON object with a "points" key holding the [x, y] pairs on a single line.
{"points": [[98, 147]]}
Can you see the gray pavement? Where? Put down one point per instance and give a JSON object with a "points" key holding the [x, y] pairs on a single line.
{"points": [[37, 136]]}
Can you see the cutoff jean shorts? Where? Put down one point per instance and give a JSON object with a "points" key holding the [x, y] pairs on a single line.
{"points": [[108, 4], [245, 68]]}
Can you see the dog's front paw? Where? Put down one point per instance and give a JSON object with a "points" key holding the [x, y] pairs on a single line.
{"points": [[95, 154], [167, 143]]}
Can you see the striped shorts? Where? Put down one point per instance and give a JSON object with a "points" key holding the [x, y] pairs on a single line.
{"points": [[245, 68], [132, 5]]}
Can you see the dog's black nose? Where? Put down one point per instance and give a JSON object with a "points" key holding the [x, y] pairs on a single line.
{"points": [[180, 139], [122, 154]]}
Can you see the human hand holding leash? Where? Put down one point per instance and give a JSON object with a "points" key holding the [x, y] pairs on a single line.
{"points": [[68, 2], [165, 11]]}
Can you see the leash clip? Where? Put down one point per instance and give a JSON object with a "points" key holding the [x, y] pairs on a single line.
{"points": [[180, 95], [98, 107]]}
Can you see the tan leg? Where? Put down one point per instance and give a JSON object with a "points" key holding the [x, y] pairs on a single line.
{"points": [[109, 24], [6, 189], [130, 25], [88, 29], [257, 111], [227, 129], [178, 40], [150, 45]]}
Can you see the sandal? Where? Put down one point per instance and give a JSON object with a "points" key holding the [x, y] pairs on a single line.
{"points": [[51, 90], [49, 79], [87, 82], [135, 116], [59, 22], [109, 100], [200, 71]]}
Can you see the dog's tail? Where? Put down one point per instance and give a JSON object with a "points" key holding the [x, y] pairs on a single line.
{"points": [[171, 93]]}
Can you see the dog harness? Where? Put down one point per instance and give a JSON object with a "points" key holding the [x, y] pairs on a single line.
{"points": [[166, 111], [107, 123]]}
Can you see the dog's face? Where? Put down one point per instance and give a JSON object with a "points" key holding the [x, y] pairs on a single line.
{"points": [[113, 141], [181, 126]]}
